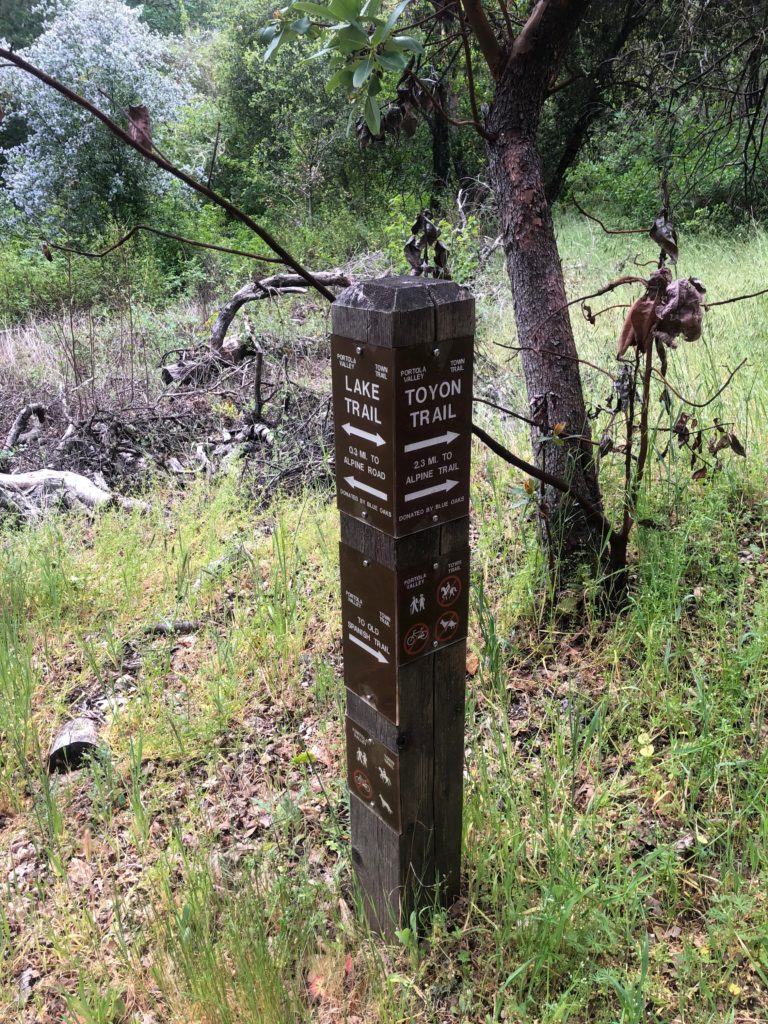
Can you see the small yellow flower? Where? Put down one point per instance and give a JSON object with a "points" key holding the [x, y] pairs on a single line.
{"points": [[643, 738], [735, 989], [647, 750]]}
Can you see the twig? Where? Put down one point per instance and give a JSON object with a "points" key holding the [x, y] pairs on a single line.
{"points": [[556, 352], [736, 298], [163, 234], [609, 231], [709, 401]]}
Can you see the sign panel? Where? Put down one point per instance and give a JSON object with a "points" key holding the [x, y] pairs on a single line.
{"points": [[390, 619], [403, 432], [373, 774], [368, 629]]}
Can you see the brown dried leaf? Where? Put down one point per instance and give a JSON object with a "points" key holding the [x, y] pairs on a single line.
{"points": [[473, 663], [736, 445]]}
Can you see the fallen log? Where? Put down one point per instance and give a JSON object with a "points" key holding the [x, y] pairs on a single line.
{"points": [[30, 494], [71, 743]]}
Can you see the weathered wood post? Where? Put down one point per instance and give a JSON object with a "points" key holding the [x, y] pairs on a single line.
{"points": [[401, 355]]}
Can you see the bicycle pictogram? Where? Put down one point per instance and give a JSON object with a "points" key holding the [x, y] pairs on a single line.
{"points": [[415, 640], [362, 784]]}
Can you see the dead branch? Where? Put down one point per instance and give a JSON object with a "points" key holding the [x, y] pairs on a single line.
{"points": [[710, 400], [609, 231], [20, 423], [162, 234], [736, 298], [590, 510], [30, 494], [268, 287]]}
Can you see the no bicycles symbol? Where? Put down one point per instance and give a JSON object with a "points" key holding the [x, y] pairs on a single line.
{"points": [[415, 640], [362, 784]]}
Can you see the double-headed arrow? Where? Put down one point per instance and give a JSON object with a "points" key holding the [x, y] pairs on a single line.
{"points": [[377, 439], [430, 442], [358, 485], [446, 485], [371, 650]]}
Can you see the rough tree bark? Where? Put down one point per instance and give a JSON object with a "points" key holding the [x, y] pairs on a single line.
{"points": [[548, 351]]}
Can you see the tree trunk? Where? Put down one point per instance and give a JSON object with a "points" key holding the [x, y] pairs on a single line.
{"points": [[441, 160], [549, 358]]}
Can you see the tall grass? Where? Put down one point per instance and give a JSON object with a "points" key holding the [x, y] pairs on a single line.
{"points": [[616, 770]]}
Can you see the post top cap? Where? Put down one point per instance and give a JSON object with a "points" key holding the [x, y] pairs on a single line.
{"points": [[400, 311]]}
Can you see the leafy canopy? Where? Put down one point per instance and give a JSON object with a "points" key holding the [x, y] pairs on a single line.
{"points": [[359, 39]]}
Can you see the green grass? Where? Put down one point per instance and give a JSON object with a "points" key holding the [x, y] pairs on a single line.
{"points": [[616, 807]]}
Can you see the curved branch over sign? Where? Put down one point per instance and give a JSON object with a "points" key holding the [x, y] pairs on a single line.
{"points": [[279, 284]]}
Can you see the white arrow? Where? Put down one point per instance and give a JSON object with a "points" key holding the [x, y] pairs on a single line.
{"points": [[445, 438], [377, 654], [377, 439], [446, 485], [360, 486]]}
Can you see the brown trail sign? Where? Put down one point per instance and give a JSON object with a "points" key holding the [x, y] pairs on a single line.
{"points": [[402, 351]]}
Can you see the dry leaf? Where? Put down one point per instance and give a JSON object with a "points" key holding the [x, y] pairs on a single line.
{"points": [[473, 663], [79, 873]]}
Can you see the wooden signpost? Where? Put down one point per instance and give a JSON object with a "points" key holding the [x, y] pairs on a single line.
{"points": [[401, 360]]}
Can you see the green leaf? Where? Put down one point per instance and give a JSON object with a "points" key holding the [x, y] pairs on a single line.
{"points": [[302, 25], [266, 35], [406, 43], [341, 77], [278, 40], [352, 34], [392, 61], [346, 10], [374, 86], [385, 30], [372, 115], [362, 72], [370, 8], [316, 9]]}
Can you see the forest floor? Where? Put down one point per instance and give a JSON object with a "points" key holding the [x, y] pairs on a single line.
{"points": [[197, 870]]}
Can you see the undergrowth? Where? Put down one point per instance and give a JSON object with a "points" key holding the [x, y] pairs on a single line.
{"points": [[197, 868]]}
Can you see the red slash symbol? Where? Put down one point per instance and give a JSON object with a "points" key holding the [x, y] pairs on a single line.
{"points": [[448, 591], [362, 784], [415, 639], [447, 626]]}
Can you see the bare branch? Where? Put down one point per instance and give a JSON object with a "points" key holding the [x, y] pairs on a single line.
{"points": [[709, 401], [736, 298], [163, 234], [592, 513], [609, 231]]}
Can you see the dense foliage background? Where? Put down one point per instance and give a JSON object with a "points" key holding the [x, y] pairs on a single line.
{"points": [[675, 97]]}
